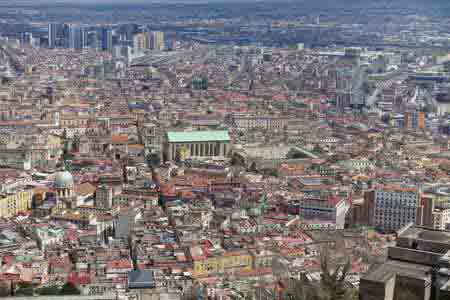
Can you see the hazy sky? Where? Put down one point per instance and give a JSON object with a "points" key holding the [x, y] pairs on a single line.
{"points": [[116, 1], [37, 2]]}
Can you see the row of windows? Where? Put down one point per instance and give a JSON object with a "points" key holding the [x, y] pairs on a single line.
{"points": [[394, 219], [403, 200], [396, 204], [396, 196], [396, 210], [387, 215]]}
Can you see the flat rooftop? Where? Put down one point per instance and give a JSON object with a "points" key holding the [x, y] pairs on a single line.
{"points": [[198, 136], [384, 272], [426, 234]]}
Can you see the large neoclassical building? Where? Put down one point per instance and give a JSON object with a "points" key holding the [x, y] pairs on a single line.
{"points": [[65, 190], [64, 185], [196, 144]]}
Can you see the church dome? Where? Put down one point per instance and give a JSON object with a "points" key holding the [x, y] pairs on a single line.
{"points": [[63, 180]]}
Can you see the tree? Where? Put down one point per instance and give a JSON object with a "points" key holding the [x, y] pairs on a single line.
{"points": [[49, 290], [270, 172], [237, 160], [253, 168], [249, 296], [404, 293], [317, 149], [69, 289], [25, 292], [445, 166], [67, 156], [301, 290], [332, 282], [367, 87], [295, 154], [24, 289], [330, 287], [5, 288], [153, 159]]}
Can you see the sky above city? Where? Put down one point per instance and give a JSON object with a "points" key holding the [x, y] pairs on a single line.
{"points": [[124, 1], [16, 2], [440, 6]]}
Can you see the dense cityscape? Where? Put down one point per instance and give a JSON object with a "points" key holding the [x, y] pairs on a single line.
{"points": [[269, 150]]}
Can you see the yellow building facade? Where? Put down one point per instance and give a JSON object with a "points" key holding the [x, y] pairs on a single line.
{"points": [[15, 202], [226, 263]]}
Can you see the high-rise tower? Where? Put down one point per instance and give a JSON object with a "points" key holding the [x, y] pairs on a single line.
{"points": [[52, 34], [107, 41]]}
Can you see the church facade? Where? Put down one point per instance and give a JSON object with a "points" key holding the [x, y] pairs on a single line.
{"points": [[196, 144]]}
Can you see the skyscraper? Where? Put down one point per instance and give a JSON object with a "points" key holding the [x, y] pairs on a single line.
{"points": [[153, 40], [26, 39], [77, 37], [71, 37], [344, 88], [157, 41], [63, 38], [84, 38], [140, 42], [52, 33], [107, 39], [93, 40]]}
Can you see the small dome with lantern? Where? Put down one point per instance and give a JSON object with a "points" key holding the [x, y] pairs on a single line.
{"points": [[64, 180]]}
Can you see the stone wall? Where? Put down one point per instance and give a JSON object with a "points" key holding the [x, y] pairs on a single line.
{"points": [[411, 288], [413, 256], [376, 290]]}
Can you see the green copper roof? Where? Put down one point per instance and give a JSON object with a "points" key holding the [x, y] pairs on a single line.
{"points": [[198, 136]]}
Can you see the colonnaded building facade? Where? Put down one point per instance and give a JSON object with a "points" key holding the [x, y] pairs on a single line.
{"points": [[196, 144]]}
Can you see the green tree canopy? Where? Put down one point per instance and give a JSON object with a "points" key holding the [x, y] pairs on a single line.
{"points": [[24, 289], [295, 154], [69, 289], [48, 290], [153, 159], [237, 160], [330, 287]]}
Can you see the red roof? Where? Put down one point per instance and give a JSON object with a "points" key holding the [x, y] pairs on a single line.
{"points": [[71, 235], [123, 138], [8, 259], [79, 278], [119, 264]]}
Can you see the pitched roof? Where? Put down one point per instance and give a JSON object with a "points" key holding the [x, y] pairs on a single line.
{"points": [[123, 138], [119, 264], [198, 136], [85, 189]]}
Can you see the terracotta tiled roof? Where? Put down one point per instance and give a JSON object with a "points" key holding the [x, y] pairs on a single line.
{"points": [[119, 264], [123, 138], [136, 147], [85, 189]]}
